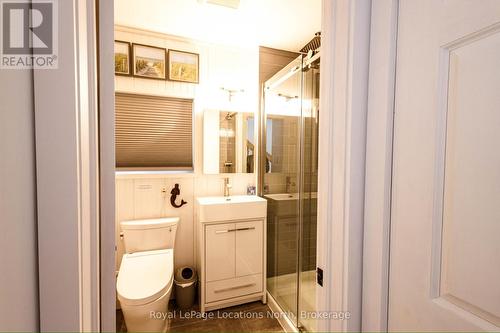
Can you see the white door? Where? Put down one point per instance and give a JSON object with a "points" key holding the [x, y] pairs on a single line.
{"points": [[445, 222]]}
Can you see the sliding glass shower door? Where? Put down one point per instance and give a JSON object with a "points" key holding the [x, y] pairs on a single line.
{"points": [[289, 178], [309, 197], [283, 96]]}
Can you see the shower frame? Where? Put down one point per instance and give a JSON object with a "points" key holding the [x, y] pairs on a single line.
{"points": [[276, 80]]}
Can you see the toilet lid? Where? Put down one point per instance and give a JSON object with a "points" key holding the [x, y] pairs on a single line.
{"points": [[145, 276]]}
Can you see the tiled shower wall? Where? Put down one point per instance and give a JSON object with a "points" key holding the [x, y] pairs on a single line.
{"points": [[283, 216], [285, 159]]}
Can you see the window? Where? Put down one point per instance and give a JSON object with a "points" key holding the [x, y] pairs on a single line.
{"points": [[153, 133]]}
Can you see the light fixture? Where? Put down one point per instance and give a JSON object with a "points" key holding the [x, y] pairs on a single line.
{"points": [[232, 92]]}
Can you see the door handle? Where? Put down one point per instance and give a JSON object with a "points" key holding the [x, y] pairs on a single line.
{"points": [[233, 288], [225, 231], [233, 230], [244, 229]]}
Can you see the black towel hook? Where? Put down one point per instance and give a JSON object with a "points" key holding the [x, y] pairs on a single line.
{"points": [[175, 192]]}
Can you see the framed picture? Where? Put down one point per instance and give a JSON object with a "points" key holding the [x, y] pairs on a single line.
{"points": [[183, 66], [149, 61], [122, 58]]}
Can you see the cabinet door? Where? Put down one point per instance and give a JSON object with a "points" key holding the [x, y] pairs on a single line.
{"points": [[220, 251], [249, 248]]}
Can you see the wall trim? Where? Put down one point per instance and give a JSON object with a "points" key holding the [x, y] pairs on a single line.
{"points": [[378, 186], [344, 95], [65, 101], [106, 77]]}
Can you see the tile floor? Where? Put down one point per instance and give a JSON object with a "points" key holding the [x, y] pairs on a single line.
{"points": [[252, 317]]}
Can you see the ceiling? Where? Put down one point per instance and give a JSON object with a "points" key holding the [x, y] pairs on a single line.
{"points": [[281, 24]]}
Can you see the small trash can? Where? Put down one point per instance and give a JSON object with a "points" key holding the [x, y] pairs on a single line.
{"points": [[185, 287]]}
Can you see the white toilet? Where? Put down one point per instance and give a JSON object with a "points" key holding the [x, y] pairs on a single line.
{"points": [[145, 278]]}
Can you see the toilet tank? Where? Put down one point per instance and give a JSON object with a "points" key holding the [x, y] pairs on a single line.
{"points": [[148, 235]]}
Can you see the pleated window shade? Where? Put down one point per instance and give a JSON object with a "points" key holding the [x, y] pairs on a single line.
{"points": [[153, 132]]}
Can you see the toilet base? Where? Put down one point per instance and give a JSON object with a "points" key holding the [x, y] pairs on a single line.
{"points": [[139, 318]]}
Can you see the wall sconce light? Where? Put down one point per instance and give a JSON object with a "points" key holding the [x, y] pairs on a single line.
{"points": [[232, 92]]}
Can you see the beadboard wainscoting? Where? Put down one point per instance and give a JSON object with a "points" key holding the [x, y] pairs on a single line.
{"points": [[142, 198]]}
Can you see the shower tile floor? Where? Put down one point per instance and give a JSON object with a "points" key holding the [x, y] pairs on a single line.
{"points": [[284, 290]]}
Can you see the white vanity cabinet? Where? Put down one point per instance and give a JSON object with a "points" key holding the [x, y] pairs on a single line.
{"points": [[231, 251]]}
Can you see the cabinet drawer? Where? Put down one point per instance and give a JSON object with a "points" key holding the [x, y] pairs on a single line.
{"points": [[224, 289]]}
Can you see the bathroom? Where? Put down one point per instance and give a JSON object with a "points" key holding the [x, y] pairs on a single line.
{"points": [[220, 111], [223, 200]]}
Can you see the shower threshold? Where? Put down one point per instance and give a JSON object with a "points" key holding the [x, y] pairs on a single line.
{"points": [[284, 293]]}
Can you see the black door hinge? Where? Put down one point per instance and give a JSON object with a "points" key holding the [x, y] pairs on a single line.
{"points": [[319, 276]]}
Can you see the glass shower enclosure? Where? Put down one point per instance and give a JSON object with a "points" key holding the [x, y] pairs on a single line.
{"points": [[289, 182]]}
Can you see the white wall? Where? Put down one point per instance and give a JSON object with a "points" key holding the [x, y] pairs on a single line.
{"points": [[18, 246], [140, 196]]}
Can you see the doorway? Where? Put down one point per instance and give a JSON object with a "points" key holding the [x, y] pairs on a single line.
{"points": [[226, 65], [89, 53]]}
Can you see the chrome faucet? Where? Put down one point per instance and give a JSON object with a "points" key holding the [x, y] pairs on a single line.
{"points": [[227, 187]]}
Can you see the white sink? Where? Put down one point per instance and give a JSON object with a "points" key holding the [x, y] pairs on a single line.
{"points": [[290, 196], [282, 196], [236, 207]]}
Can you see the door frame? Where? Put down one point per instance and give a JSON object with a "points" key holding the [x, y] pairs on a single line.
{"points": [[378, 186], [82, 154], [342, 150], [345, 56], [67, 175], [107, 164]]}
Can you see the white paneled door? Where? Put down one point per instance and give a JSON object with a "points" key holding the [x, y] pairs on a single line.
{"points": [[445, 223]]}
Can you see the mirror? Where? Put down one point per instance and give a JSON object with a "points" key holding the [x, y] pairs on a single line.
{"points": [[283, 116], [228, 142]]}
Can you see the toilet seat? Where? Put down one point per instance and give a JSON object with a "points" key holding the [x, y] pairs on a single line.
{"points": [[145, 276]]}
